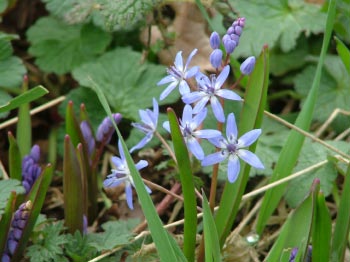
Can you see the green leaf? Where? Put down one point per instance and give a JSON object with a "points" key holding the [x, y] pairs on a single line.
{"points": [[291, 149], [4, 99], [311, 154], [11, 67], [24, 124], [6, 187], [322, 231], [342, 226], [116, 233], [128, 84], [344, 53], [72, 188], [334, 90], [49, 247], [11, 72], [6, 218], [251, 118], [79, 248], [60, 48], [15, 159], [296, 231], [109, 15], [37, 196], [211, 238], [276, 23], [28, 96], [166, 246], [187, 184]]}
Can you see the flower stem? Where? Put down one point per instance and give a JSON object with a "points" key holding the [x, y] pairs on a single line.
{"points": [[166, 145]]}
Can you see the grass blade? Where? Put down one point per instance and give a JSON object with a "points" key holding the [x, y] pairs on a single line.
{"points": [[343, 52], [291, 150], [321, 235], [29, 96], [252, 114], [187, 183], [167, 248], [296, 231], [15, 158], [211, 238], [342, 225]]}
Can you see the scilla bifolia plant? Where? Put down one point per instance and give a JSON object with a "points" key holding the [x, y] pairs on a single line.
{"points": [[200, 92]]}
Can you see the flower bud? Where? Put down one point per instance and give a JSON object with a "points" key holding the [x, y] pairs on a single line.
{"points": [[216, 58], [88, 137], [105, 129], [229, 45], [214, 40], [248, 65]]}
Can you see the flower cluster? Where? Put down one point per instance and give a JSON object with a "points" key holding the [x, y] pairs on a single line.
{"points": [[30, 168], [17, 225], [209, 90]]}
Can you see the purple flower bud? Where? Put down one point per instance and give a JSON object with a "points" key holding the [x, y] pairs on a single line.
{"points": [[230, 30], [216, 58], [214, 40], [105, 129], [17, 233], [241, 21], [35, 153], [30, 168], [11, 245], [238, 30], [229, 45], [235, 38], [87, 134], [5, 258], [248, 65]]}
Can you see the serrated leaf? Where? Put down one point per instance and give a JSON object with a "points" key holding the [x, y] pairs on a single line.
{"points": [[6, 186], [11, 72], [50, 246], [60, 48], [311, 154], [334, 90], [109, 15], [276, 23], [115, 233], [128, 84]]}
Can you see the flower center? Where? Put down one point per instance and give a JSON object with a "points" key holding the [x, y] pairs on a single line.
{"points": [[232, 148]]}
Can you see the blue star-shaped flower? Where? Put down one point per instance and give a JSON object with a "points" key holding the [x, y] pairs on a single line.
{"points": [[121, 174], [178, 74], [189, 125], [233, 149], [209, 90], [148, 126]]}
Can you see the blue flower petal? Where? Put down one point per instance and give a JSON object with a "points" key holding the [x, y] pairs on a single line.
{"points": [[191, 72], [199, 118], [121, 151], [201, 104], [187, 114], [222, 77], [178, 61], [233, 168], [183, 87], [143, 142], [217, 109], [168, 90], [207, 133], [219, 141], [190, 57], [117, 161], [195, 148], [214, 158], [166, 126], [250, 158], [228, 94], [249, 138], [167, 79], [128, 193], [231, 128], [190, 98], [141, 164]]}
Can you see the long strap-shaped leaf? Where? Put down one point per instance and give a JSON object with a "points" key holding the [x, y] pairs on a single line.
{"points": [[342, 226], [296, 231], [251, 117], [166, 247], [290, 152], [187, 184]]}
